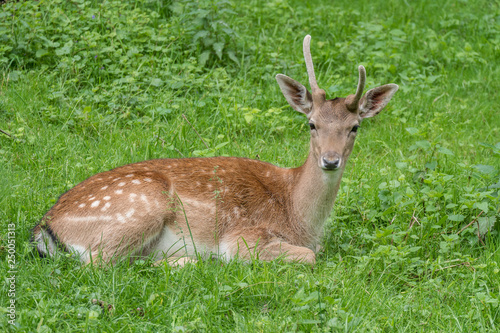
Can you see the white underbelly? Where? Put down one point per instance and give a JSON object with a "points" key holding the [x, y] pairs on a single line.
{"points": [[180, 244]]}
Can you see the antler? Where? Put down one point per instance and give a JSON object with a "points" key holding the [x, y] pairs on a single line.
{"points": [[352, 104], [309, 64], [318, 94]]}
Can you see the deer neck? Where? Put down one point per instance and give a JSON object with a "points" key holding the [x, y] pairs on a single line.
{"points": [[314, 194]]}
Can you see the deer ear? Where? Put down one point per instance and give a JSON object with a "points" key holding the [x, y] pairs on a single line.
{"points": [[376, 99], [295, 93]]}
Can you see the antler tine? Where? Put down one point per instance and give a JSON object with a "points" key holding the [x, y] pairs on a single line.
{"points": [[309, 64], [353, 104]]}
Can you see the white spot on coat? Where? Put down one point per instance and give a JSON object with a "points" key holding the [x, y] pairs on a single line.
{"points": [[98, 218], [104, 187], [121, 184], [107, 198], [120, 218], [95, 203], [146, 201], [136, 181], [81, 205], [106, 206], [119, 191], [130, 212]]}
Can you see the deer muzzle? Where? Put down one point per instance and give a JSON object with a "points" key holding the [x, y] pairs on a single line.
{"points": [[331, 161]]}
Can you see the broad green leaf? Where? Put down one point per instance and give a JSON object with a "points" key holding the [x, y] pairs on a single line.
{"points": [[397, 32], [424, 144], [41, 52], [93, 315], [14, 75], [66, 49], [233, 57], [486, 223], [220, 145], [485, 169], [445, 151], [394, 183], [401, 165], [433, 78], [200, 34], [486, 298], [431, 165], [203, 58], [456, 218], [218, 47], [248, 117], [412, 130], [482, 206], [156, 82]]}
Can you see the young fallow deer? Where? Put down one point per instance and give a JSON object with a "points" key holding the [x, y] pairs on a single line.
{"points": [[175, 209]]}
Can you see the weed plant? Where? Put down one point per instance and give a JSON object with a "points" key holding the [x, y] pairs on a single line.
{"points": [[413, 241]]}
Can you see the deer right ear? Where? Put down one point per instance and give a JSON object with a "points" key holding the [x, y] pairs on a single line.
{"points": [[295, 93]]}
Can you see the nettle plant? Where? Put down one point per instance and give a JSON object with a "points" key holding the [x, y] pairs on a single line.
{"points": [[112, 62], [418, 202], [466, 205], [205, 30]]}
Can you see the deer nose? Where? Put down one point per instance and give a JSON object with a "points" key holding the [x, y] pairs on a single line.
{"points": [[331, 162]]}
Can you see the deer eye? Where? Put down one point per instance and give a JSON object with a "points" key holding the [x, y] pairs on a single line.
{"points": [[355, 129], [312, 126]]}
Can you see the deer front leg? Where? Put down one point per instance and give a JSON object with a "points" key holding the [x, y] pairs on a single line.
{"points": [[263, 245], [278, 248]]}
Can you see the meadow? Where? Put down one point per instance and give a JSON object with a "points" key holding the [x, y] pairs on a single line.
{"points": [[412, 243]]}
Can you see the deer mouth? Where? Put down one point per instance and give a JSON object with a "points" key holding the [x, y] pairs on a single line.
{"points": [[331, 163]]}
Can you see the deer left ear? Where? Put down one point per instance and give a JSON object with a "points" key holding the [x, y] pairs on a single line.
{"points": [[376, 99]]}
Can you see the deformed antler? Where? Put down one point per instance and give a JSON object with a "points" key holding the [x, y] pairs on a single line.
{"points": [[315, 90], [352, 103], [309, 64]]}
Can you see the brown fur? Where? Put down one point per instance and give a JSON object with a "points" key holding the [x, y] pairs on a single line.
{"points": [[232, 207]]}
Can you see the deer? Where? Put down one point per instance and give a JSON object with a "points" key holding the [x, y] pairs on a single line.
{"points": [[183, 209]]}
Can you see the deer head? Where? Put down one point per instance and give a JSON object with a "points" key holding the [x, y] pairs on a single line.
{"points": [[335, 122]]}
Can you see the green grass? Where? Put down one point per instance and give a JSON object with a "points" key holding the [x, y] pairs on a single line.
{"points": [[84, 90]]}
